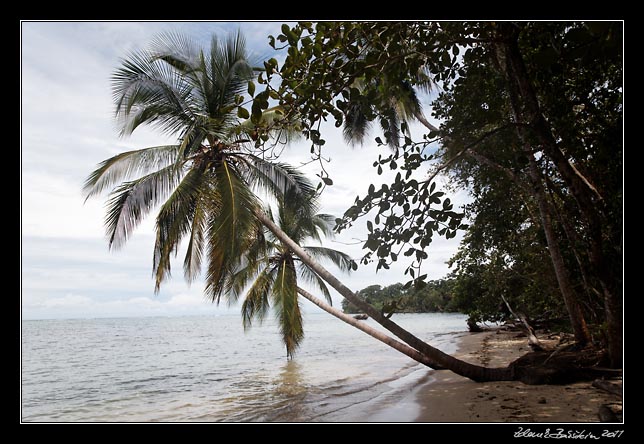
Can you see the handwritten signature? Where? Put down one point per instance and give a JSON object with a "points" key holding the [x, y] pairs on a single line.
{"points": [[566, 434]]}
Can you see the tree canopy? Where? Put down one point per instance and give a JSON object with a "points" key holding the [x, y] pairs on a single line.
{"points": [[531, 125]]}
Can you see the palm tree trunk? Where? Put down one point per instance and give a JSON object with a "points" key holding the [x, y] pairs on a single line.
{"points": [[436, 358], [418, 115], [377, 334]]}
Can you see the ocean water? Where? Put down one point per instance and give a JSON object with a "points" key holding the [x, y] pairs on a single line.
{"points": [[206, 368]]}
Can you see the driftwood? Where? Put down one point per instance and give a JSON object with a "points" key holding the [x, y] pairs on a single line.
{"points": [[606, 414], [608, 387], [533, 341]]}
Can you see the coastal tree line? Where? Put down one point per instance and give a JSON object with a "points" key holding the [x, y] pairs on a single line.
{"points": [[432, 296], [531, 126]]}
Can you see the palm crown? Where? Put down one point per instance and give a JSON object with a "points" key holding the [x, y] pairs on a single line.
{"points": [[270, 270], [205, 183]]}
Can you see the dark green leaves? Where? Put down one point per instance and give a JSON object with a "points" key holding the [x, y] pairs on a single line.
{"points": [[260, 103], [371, 244], [242, 113], [408, 214]]}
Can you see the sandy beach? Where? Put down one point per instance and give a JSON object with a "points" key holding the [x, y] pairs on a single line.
{"points": [[452, 398]]}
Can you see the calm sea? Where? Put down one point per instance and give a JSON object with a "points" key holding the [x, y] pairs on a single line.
{"points": [[206, 368]]}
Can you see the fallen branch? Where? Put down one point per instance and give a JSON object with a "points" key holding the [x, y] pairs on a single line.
{"points": [[533, 341]]}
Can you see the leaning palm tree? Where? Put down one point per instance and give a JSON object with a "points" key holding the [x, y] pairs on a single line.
{"points": [[205, 182], [272, 268], [274, 271]]}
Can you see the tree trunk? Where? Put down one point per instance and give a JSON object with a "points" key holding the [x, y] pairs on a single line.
{"points": [[577, 320], [377, 334], [614, 327], [436, 358]]}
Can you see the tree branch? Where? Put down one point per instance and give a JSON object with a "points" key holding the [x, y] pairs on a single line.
{"points": [[464, 150]]}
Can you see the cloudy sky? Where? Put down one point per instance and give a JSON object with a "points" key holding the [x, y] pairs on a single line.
{"points": [[67, 128]]}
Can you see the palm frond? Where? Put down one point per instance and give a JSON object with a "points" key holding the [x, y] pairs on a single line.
{"points": [[297, 215], [287, 307], [422, 81], [229, 228], [192, 140], [151, 91], [406, 102], [256, 303], [132, 201], [208, 203], [356, 124], [325, 223], [342, 260], [256, 254], [176, 49], [312, 278], [230, 69], [194, 252], [174, 221], [242, 276], [402, 103], [127, 165], [276, 178], [390, 124]]}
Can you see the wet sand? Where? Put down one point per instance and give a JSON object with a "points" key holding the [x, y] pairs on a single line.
{"points": [[452, 398]]}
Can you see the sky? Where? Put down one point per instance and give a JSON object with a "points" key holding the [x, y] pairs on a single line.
{"points": [[67, 128]]}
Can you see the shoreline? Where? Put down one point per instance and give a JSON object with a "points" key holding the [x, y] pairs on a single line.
{"points": [[448, 397]]}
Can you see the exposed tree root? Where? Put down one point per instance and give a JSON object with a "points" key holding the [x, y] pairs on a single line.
{"points": [[569, 364]]}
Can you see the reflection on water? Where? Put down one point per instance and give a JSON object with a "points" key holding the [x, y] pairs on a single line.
{"points": [[290, 386], [208, 369], [289, 381]]}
